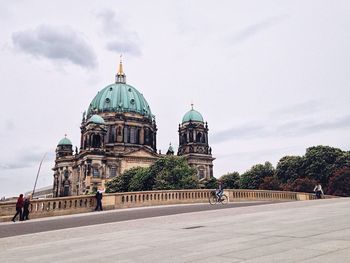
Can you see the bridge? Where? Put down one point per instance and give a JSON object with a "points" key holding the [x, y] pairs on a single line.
{"points": [[86, 203], [247, 231]]}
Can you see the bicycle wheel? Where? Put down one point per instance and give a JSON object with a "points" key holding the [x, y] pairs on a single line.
{"points": [[224, 199], [212, 200]]}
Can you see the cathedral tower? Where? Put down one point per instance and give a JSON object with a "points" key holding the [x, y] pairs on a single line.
{"points": [[194, 145]]}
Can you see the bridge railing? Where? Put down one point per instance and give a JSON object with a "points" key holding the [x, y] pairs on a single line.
{"points": [[86, 203]]}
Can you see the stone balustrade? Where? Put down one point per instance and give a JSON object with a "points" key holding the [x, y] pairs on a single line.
{"points": [[86, 203]]}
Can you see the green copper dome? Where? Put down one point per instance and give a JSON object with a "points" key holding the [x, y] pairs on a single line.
{"points": [[96, 119], [120, 97], [192, 115], [64, 141]]}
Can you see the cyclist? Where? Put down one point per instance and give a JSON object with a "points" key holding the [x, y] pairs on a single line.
{"points": [[219, 191], [318, 190]]}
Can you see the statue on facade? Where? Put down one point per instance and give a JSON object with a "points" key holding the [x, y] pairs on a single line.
{"points": [[84, 114]]}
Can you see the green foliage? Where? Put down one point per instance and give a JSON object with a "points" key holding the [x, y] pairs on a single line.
{"points": [[190, 182], [289, 168], [321, 161], [122, 183], [169, 172], [141, 179], [339, 183], [252, 178], [173, 172], [212, 183], [230, 180]]}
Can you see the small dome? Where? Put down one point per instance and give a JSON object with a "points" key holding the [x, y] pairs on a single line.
{"points": [[64, 141], [192, 115], [96, 119], [170, 150]]}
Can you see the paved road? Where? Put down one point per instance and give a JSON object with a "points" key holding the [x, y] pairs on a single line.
{"points": [[95, 218]]}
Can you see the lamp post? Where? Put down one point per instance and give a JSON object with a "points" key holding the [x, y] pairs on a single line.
{"points": [[37, 175]]}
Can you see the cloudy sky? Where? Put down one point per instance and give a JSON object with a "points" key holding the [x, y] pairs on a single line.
{"points": [[271, 78]]}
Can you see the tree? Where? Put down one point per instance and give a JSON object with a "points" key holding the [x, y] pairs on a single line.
{"points": [[172, 172], [141, 180], [289, 168], [252, 178], [211, 183], [339, 183], [305, 185], [123, 182], [270, 183], [320, 162], [230, 180]]}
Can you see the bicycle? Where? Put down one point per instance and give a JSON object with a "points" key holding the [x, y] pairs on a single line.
{"points": [[213, 199]]}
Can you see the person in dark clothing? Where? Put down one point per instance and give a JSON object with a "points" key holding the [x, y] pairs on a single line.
{"points": [[26, 205], [98, 200], [19, 207]]}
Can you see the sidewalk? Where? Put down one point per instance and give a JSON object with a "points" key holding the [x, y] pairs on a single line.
{"points": [[305, 231]]}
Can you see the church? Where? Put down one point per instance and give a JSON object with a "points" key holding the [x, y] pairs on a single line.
{"points": [[119, 132]]}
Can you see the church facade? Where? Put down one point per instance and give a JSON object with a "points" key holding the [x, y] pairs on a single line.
{"points": [[119, 132]]}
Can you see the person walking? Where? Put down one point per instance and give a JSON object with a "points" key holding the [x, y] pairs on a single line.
{"points": [[98, 197], [26, 205], [318, 191], [19, 207]]}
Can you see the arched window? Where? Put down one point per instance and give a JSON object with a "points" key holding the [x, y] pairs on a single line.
{"points": [[138, 135], [199, 137], [201, 172], [95, 172], [126, 134], [146, 136], [132, 135], [191, 136], [184, 138], [96, 141], [112, 171], [66, 187], [111, 135]]}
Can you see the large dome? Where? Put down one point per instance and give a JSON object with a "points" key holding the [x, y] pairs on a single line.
{"points": [[120, 97]]}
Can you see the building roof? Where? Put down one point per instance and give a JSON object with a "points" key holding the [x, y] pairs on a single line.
{"points": [[120, 97], [96, 119], [192, 115], [64, 141]]}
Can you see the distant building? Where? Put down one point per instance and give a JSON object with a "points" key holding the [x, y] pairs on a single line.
{"points": [[43, 192], [119, 132]]}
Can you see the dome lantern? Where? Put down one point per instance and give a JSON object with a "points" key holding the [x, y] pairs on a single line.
{"points": [[120, 77]]}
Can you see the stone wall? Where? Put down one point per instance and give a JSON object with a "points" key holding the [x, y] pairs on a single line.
{"points": [[82, 204]]}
